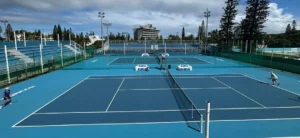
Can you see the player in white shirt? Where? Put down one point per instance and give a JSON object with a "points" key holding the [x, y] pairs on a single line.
{"points": [[274, 78]]}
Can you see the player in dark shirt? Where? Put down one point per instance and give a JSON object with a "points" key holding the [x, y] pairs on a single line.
{"points": [[6, 95]]}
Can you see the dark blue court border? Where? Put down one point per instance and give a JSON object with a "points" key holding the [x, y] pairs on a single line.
{"points": [[285, 108]]}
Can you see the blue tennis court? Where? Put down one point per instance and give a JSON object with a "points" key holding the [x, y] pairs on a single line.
{"points": [[154, 60], [114, 100]]}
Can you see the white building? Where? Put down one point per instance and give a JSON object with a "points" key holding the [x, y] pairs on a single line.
{"points": [[148, 31]]}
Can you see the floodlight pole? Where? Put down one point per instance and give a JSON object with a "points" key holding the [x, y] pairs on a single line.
{"points": [[101, 15], [206, 14]]}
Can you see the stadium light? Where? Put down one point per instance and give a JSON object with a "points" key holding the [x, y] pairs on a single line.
{"points": [[4, 21], [206, 14], [101, 15]]}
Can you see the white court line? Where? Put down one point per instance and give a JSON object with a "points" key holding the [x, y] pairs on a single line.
{"points": [[115, 95], [203, 60], [244, 120], [21, 91], [133, 60], [175, 76], [106, 124], [112, 61], [182, 60], [94, 60], [154, 111], [240, 93], [286, 137], [149, 123], [162, 89], [49, 102], [274, 86]]}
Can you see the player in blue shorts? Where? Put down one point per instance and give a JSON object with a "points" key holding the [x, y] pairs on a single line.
{"points": [[274, 78], [6, 95]]}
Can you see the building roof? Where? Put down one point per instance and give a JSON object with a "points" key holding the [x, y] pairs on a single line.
{"points": [[146, 27]]}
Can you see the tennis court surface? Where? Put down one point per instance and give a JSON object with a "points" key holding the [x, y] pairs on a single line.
{"points": [[156, 60], [113, 100]]}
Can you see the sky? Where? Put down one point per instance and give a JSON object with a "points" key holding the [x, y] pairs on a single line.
{"points": [[169, 16]]}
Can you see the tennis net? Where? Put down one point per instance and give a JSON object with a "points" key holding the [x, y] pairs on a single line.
{"points": [[187, 108]]}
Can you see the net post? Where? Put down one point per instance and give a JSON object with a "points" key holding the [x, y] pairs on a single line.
{"points": [[201, 123], [124, 49], [7, 65], [207, 120]]}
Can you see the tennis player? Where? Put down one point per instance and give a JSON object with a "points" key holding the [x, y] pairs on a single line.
{"points": [[274, 78], [163, 57], [6, 95]]}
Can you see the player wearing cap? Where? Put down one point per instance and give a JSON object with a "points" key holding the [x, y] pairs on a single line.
{"points": [[6, 95], [274, 78]]}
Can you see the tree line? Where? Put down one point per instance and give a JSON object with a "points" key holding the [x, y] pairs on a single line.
{"points": [[67, 35], [290, 38]]}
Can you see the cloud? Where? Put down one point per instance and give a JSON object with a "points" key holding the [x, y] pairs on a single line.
{"points": [[169, 16], [276, 21]]}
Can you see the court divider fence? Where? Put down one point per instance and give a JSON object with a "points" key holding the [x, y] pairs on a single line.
{"points": [[274, 61], [59, 59]]}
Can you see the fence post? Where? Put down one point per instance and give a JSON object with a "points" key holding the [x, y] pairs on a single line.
{"points": [[7, 66], [41, 55]]}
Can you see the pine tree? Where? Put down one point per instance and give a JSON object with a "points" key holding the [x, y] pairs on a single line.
{"points": [[199, 32], [39, 33], [64, 34], [294, 25], [59, 31], [54, 34], [288, 29], [227, 20], [9, 32], [67, 35], [202, 31], [128, 37], [293, 36], [256, 15], [0, 32], [118, 36], [183, 34]]}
